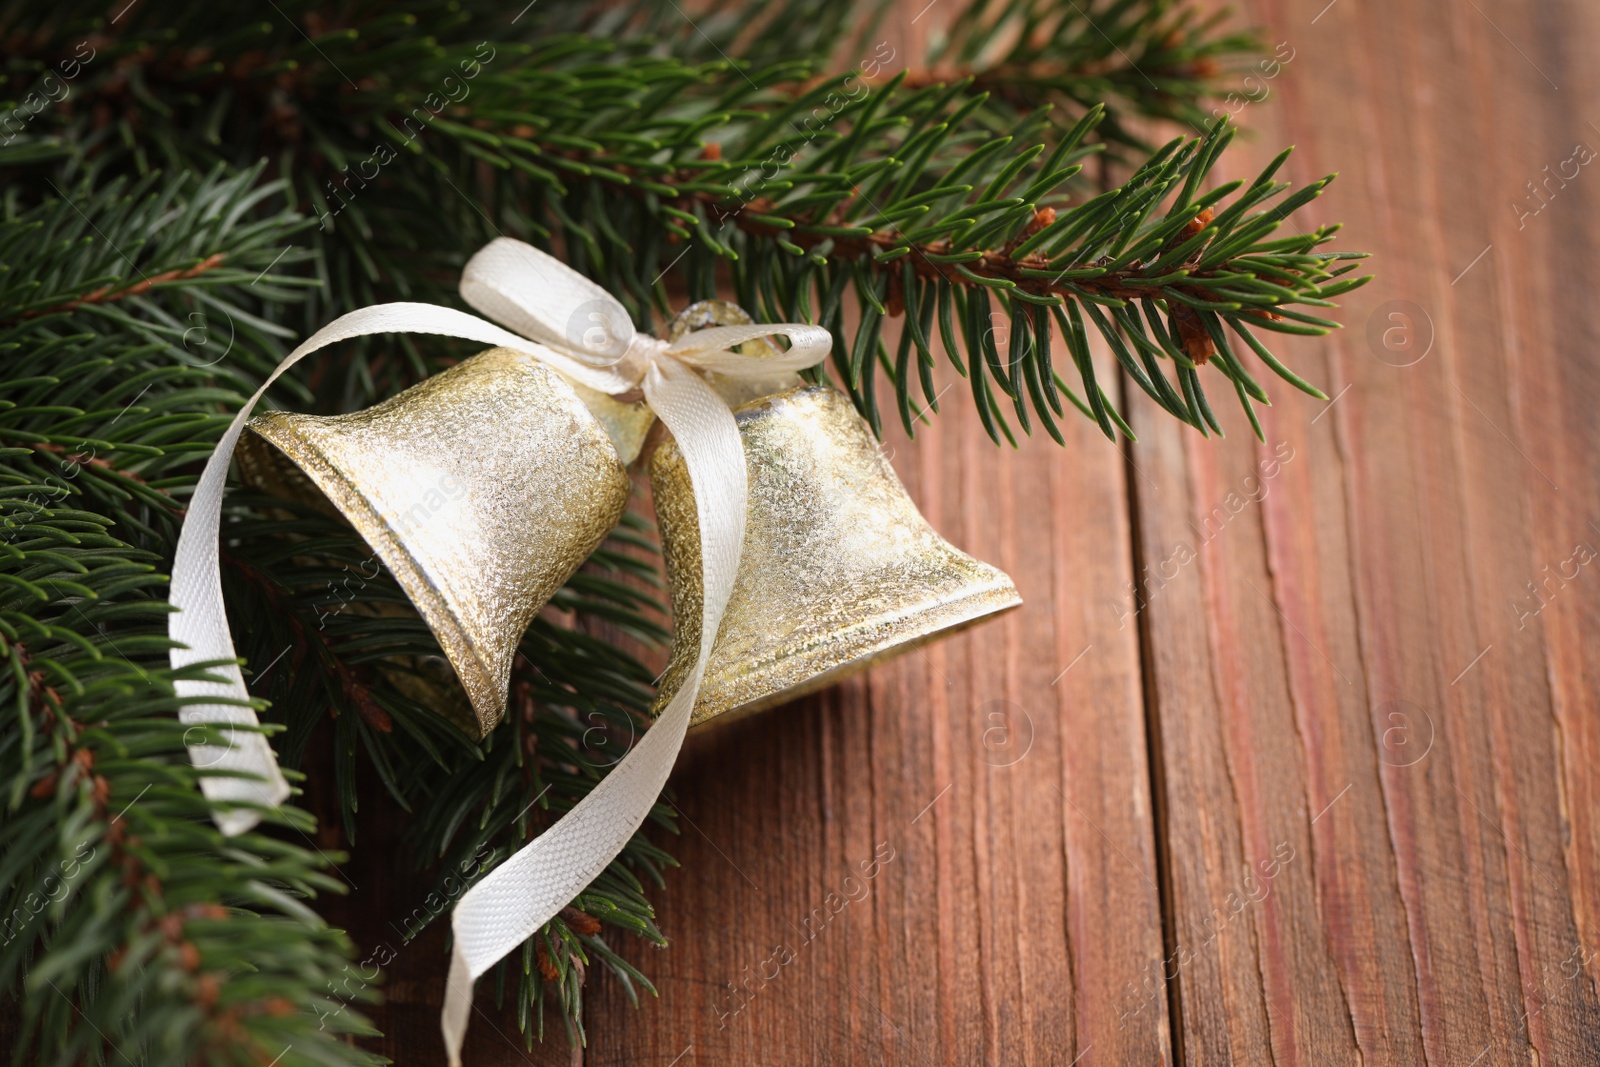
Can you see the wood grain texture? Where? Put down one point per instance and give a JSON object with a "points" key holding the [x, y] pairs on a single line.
{"points": [[1363, 678], [1291, 756]]}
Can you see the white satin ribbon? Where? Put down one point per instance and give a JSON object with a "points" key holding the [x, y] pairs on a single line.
{"points": [[536, 295]]}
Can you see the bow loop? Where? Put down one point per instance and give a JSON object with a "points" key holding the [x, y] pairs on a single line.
{"points": [[592, 337], [587, 329]]}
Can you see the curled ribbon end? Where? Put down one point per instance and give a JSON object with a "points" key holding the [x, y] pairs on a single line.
{"points": [[238, 799], [457, 1005]]}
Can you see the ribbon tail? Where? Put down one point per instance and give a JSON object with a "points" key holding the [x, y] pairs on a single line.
{"points": [[522, 894], [246, 778], [457, 1005]]}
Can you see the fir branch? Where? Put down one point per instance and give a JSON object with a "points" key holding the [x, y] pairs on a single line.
{"points": [[134, 931], [614, 155], [106, 294], [1157, 59], [179, 263], [760, 35], [891, 202], [1148, 59]]}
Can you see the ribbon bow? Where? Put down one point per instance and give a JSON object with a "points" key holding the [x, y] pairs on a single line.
{"points": [[537, 296]]}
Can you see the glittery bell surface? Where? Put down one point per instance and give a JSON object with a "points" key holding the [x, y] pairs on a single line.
{"points": [[481, 489], [839, 569]]}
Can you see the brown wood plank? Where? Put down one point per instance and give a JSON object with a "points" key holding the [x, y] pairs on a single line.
{"points": [[1316, 670], [1524, 799], [1549, 266]]}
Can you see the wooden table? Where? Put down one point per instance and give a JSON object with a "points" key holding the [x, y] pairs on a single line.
{"points": [[1292, 756]]}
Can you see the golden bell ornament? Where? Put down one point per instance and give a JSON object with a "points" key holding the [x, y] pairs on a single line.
{"points": [[482, 489], [839, 571]]}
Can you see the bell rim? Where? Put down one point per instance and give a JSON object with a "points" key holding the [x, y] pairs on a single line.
{"points": [[976, 605]]}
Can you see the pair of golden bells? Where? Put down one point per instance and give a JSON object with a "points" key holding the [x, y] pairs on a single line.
{"points": [[485, 487]]}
